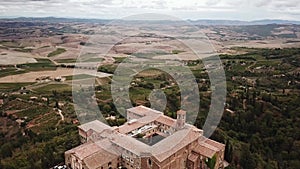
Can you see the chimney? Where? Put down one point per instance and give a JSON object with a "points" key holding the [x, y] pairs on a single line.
{"points": [[181, 117]]}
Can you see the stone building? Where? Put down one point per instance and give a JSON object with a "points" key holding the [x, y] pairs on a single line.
{"points": [[149, 140]]}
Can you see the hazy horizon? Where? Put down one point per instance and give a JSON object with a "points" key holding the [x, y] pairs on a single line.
{"points": [[200, 19], [190, 9]]}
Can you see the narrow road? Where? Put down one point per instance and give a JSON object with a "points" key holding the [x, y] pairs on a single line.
{"points": [[61, 115]]}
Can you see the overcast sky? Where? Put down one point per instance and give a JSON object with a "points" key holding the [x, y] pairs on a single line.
{"points": [[184, 9]]}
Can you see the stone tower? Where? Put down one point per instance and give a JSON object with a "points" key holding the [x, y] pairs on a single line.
{"points": [[181, 118]]}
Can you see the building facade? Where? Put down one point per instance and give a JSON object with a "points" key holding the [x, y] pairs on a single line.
{"points": [[149, 140]]}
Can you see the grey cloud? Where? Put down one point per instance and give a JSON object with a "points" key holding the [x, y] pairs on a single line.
{"points": [[97, 2], [277, 3], [212, 2], [262, 3], [287, 3]]}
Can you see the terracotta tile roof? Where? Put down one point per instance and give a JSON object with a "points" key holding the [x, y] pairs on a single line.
{"points": [[163, 149], [143, 111], [84, 150], [106, 154], [182, 112], [98, 159], [150, 118], [166, 120], [193, 157], [95, 154], [220, 146], [96, 125], [205, 150], [129, 143], [208, 147], [128, 127]]}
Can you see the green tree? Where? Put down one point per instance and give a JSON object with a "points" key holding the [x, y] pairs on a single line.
{"points": [[247, 160], [48, 159], [6, 150], [106, 108], [211, 162], [228, 151]]}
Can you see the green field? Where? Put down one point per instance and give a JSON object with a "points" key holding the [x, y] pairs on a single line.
{"points": [[12, 86], [11, 71], [58, 51], [107, 68], [10, 44], [80, 76], [66, 60], [41, 65], [93, 60]]}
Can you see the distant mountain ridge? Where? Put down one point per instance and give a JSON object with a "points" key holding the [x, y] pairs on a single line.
{"points": [[197, 22], [238, 22], [55, 20]]}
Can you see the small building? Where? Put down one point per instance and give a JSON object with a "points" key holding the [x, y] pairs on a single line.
{"points": [[44, 99], [59, 79], [33, 98], [24, 91], [20, 121], [60, 104]]}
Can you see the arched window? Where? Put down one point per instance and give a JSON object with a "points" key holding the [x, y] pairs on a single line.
{"points": [[149, 162]]}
